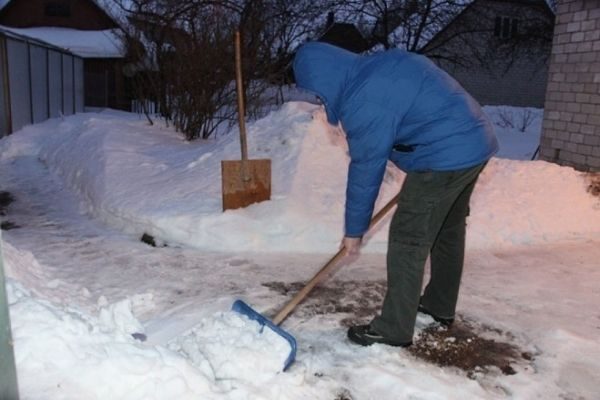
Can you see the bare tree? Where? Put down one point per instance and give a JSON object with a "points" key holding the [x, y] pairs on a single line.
{"points": [[181, 54], [400, 23], [495, 35], [424, 26], [271, 30]]}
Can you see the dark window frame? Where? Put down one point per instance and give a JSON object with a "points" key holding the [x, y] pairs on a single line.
{"points": [[506, 27]]}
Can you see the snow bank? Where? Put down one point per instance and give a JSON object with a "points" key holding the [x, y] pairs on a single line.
{"points": [[231, 346], [531, 202], [147, 179], [52, 342]]}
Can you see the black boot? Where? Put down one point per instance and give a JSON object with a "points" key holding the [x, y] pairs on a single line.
{"points": [[366, 336], [447, 322]]}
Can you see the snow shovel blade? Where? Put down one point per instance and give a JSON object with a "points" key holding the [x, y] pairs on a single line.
{"points": [[245, 182], [240, 307]]}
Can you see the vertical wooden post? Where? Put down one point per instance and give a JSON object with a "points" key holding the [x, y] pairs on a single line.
{"points": [[8, 372]]}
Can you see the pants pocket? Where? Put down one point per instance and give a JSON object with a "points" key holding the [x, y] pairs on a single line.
{"points": [[410, 224]]}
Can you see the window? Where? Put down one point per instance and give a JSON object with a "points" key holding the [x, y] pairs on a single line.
{"points": [[57, 9], [505, 27]]}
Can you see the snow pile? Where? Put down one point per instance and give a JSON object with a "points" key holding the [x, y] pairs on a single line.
{"points": [[51, 343], [230, 346], [144, 179], [514, 200], [22, 266], [102, 348]]}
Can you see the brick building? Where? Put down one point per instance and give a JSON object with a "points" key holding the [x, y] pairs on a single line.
{"points": [[571, 127]]}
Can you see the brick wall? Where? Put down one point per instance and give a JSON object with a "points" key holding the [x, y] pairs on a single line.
{"points": [[571, 127]]}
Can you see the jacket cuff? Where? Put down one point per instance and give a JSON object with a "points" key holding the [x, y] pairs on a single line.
{"points": [[354, 236]]}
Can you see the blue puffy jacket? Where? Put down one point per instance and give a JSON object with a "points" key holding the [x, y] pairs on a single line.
{"points": [[396, 106]]}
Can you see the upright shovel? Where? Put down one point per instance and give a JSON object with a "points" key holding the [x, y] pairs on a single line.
{"points": [[247, 181], [243, 308]]}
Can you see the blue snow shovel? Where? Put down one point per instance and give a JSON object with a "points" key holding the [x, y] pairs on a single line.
{"points": [[244, 309]]}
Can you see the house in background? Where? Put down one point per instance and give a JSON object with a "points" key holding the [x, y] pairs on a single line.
{"points": [[498, 50], [344, 35], [85, 29]]}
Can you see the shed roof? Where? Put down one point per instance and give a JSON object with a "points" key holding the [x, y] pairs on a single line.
{"points": [[8, 32], [86, 44]]}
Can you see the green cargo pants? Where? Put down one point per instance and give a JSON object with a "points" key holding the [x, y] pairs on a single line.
{"points": [[430, 220]]}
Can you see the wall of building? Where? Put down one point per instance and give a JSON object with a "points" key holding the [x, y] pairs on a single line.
{"points": [[38, 82], [498, 71], [105, 85], [5, 123], [571, 127], [520, 86]]}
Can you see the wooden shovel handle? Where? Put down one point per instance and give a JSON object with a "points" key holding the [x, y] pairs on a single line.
{"points": [[240, 97], [323, 272]]}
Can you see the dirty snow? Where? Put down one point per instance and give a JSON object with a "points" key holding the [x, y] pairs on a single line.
{"points": [[81, 283]]}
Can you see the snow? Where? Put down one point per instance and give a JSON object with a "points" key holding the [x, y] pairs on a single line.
{"points": [[243, 348], [86, 44], [81, 283], [85, 356], [117, 175]]}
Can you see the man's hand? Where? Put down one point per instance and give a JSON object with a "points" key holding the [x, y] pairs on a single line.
{"points": [[352, 245]]}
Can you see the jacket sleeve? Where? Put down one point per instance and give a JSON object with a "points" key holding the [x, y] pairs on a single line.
{"points": [[370, 140]]}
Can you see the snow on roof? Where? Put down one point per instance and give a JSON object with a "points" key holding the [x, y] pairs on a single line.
{"points": [[86, 44], [8, 32]]}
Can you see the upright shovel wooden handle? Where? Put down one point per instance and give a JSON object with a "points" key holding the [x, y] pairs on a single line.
{"points": [[240, 96], [324, 271]]}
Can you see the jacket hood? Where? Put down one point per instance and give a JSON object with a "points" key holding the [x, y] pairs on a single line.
{"points": [[322, 69]]}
